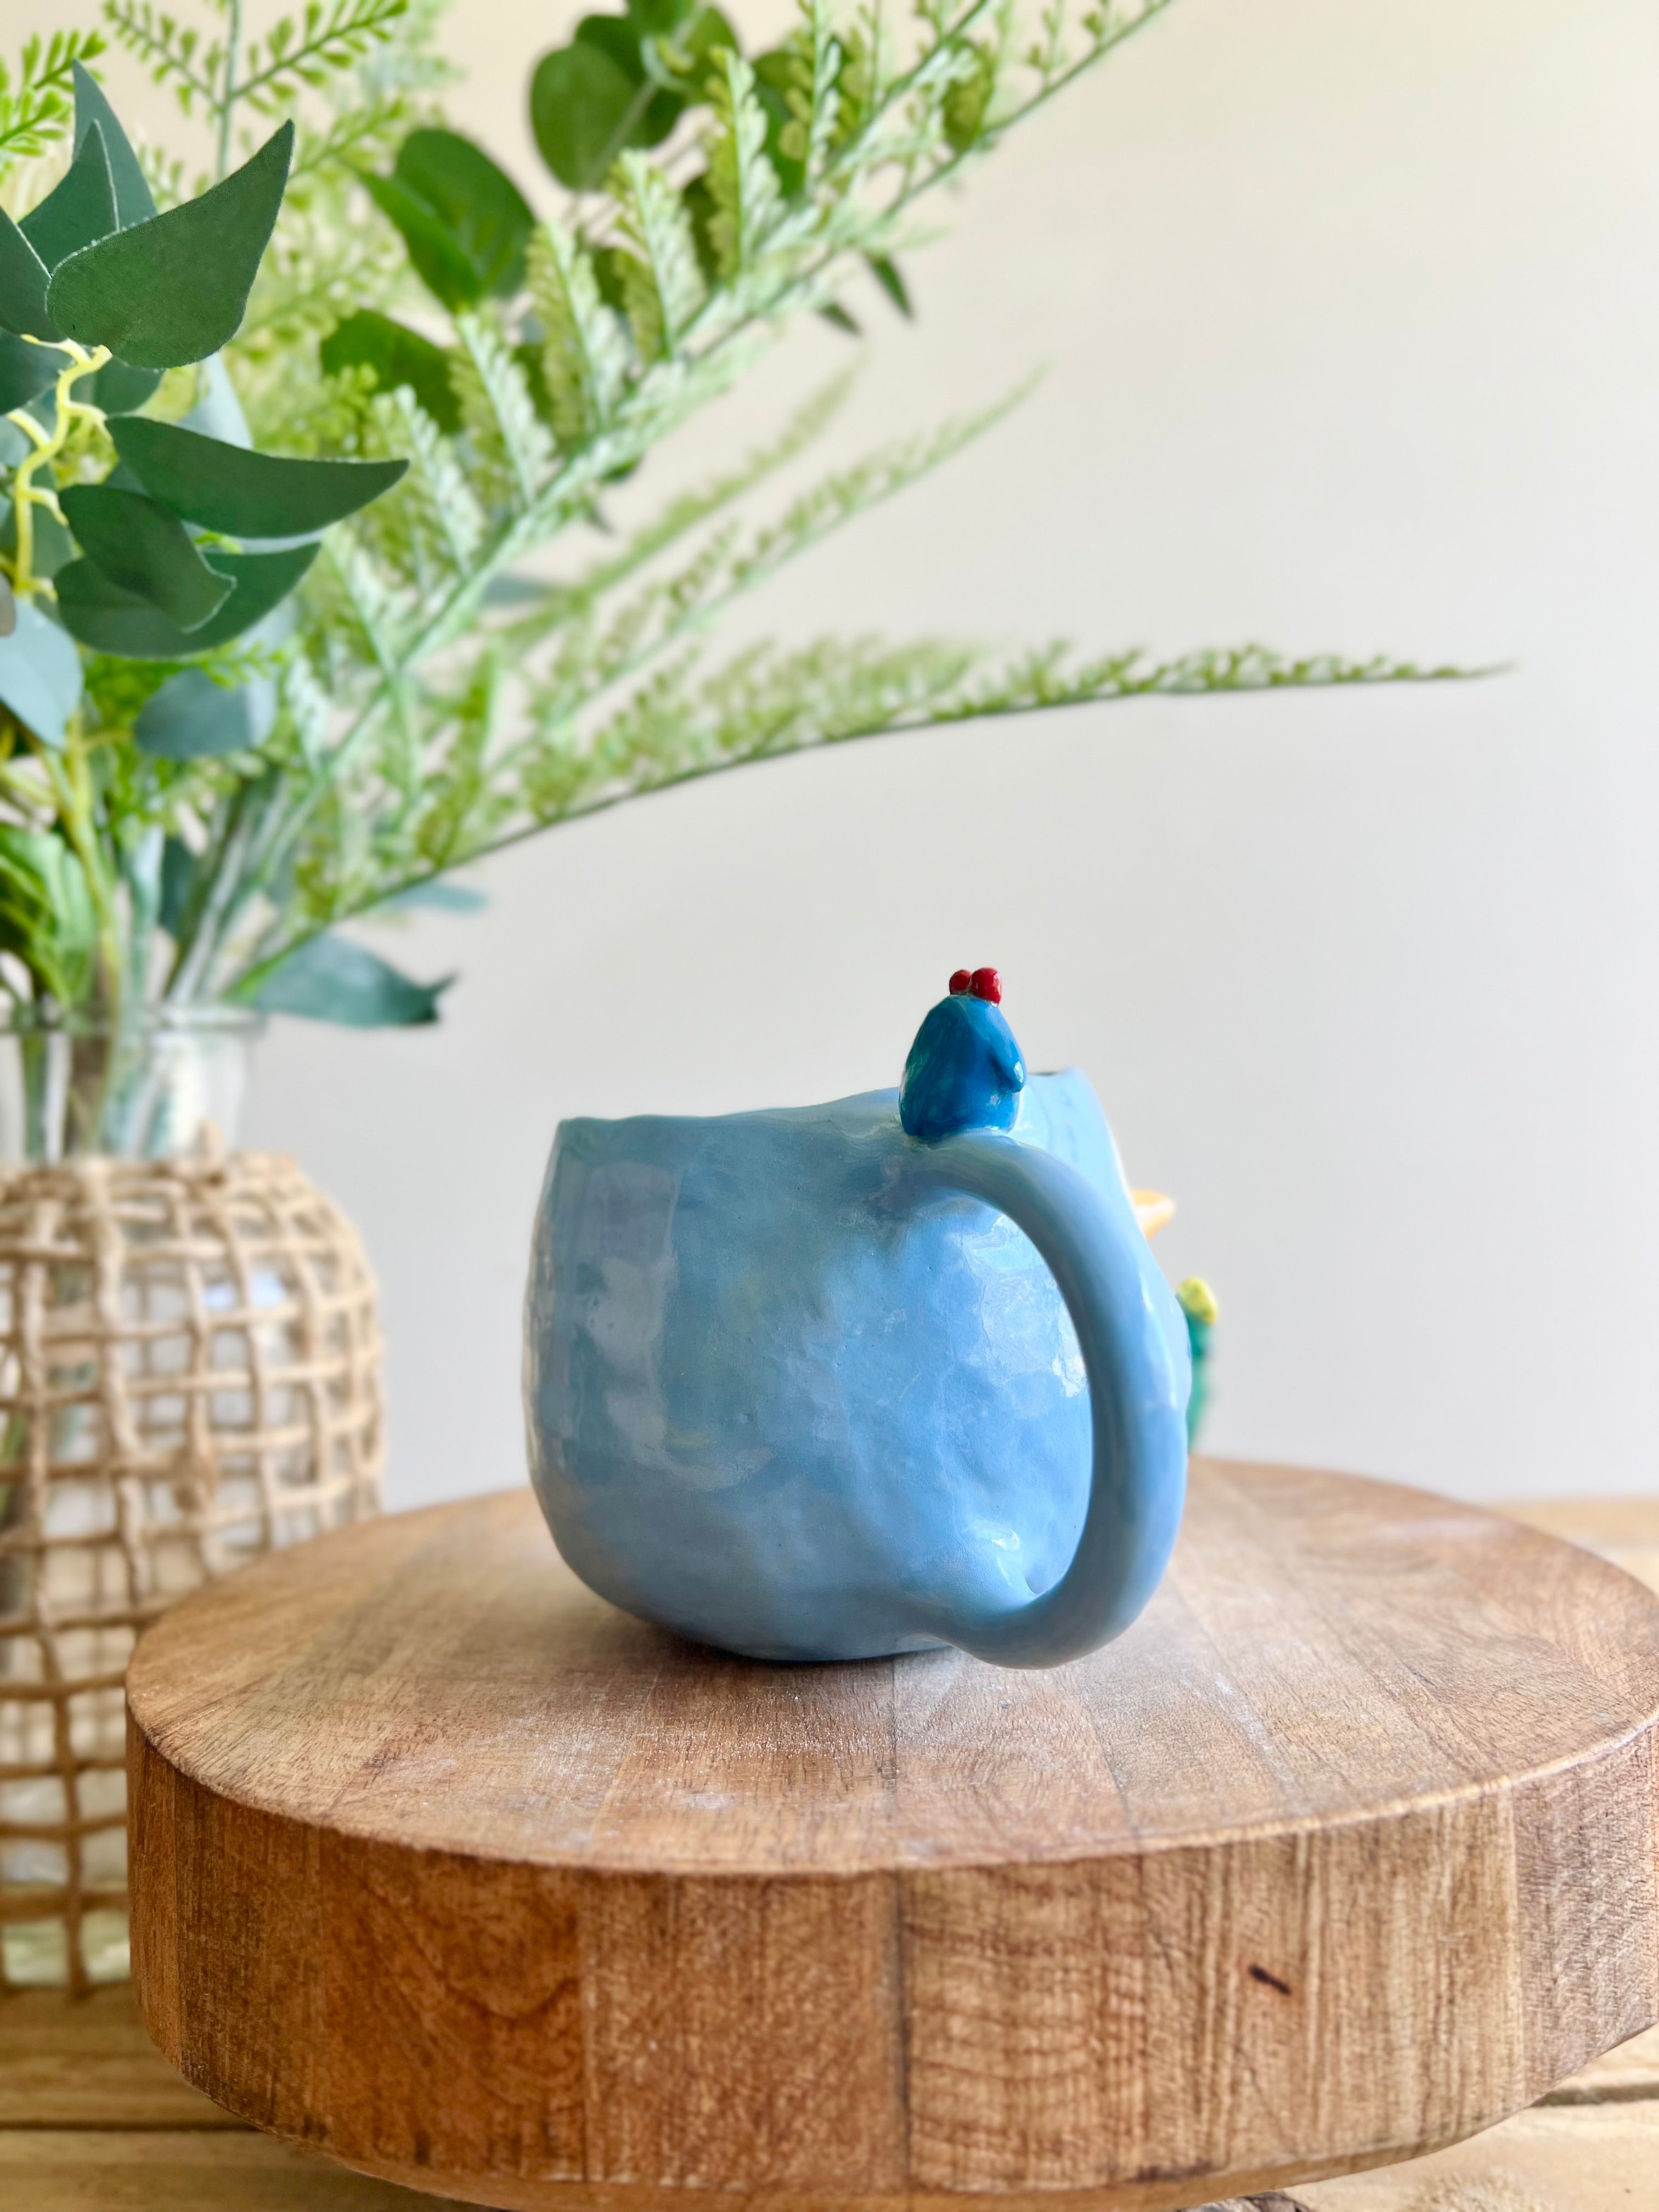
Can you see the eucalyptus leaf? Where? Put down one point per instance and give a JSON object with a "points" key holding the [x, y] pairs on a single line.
{"points": [[465, 222], [173, 290], [438, 256], [582, 107], [134, 202], [396, 356], [39, 674], [657, 18], [697, 45], [143, 547], [53, 546], [26, 370], [654, 116], [110, 620], [24, 282], [79, 210], [617, 38], [487, 211], [118, 387], [7, 607], [245, 494], [330, 979], [54, 549], [193, 718]]}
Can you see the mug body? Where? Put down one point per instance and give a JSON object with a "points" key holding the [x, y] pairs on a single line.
{"points": [[782, 1409]]}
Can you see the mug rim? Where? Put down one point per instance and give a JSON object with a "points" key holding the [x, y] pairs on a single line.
{"points": [[888, 1094]]}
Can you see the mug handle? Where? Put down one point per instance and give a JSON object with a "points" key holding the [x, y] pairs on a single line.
{"points": [[1139, 1380]]}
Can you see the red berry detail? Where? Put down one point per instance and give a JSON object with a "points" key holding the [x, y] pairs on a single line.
{"points": [[986, 983], [959, 982]]}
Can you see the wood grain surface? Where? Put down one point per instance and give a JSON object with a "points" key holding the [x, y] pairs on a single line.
{"points": [[94, 2119], [1350, 1847]]}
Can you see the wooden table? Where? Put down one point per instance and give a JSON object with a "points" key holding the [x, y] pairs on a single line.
{"points": [[92, 2120]]}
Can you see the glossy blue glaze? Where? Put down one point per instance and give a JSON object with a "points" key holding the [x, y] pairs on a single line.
{"points": [[964, 1071], [791, 1391]]}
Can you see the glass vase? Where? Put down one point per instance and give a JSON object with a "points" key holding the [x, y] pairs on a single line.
{"points": [[163, 1083]]}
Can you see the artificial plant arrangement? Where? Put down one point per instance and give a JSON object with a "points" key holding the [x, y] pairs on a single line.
{"points": [[256, 682]]}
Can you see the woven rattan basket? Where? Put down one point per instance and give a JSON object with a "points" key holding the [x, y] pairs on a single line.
{"points": [[189, 1376]]}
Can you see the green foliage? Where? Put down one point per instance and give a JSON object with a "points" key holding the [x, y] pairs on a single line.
{"points": [[24, 279], [584, 362], [134, 201], [80, 210], [260, 739], [26, 371], [661, 283], [743, 185], [584, 111], [98, 546], [247, 495], [35, 97], [173, 290], [146, 549], [621, 85], [47, 916], [200, 713], [112, 618], [214, 77], [39, 674], [466, 223], [394, 355], [330, 979]]}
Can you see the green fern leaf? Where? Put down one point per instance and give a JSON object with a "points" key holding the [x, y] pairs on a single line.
{"points": [[173, 55], [584, 355], [308, 53], [436, 485], [305, 699], [662, 284], [823, 119], [742, 180], [691, 509], [35, 104], [369, 596], [500, 414]]}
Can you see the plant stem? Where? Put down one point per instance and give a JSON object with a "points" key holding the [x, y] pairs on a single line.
{"points": [[232, 91], [46, 447], [75, 802], [224, 890]]}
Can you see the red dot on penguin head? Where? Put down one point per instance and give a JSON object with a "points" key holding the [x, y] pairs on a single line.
{"points": [[986, 983], [959, 982]]}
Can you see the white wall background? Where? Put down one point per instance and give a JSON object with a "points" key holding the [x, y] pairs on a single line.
{"points": [[1350, 314]]}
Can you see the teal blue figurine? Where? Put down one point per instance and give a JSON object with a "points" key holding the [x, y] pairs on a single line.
{"points": [[964, 1071]]}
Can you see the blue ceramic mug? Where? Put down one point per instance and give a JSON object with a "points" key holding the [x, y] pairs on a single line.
{"points": [[804, 1386]]}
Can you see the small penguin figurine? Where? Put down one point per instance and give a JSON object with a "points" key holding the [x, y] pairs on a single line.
{"points": [[965, 1070]]}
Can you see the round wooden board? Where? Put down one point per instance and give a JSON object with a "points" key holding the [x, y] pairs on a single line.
{"points": [[1351, 1846]]}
